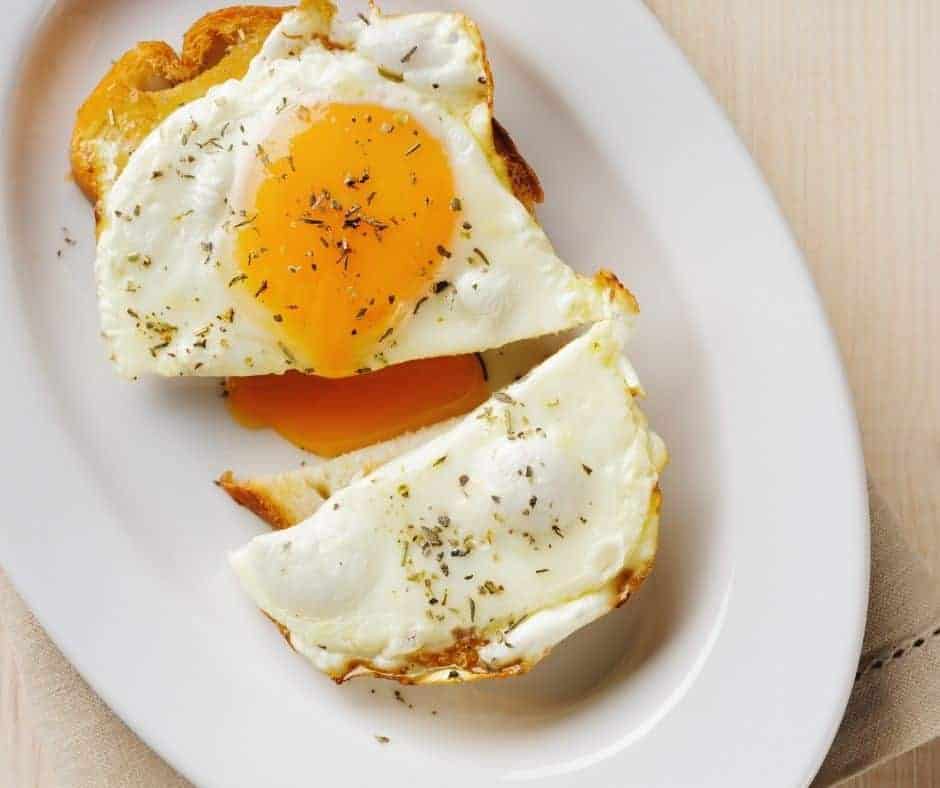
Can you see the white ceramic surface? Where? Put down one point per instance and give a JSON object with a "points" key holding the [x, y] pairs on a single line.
{"points": [[730, 667]]}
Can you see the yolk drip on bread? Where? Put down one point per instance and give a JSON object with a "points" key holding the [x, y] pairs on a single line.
{"points": [[331, 416]]}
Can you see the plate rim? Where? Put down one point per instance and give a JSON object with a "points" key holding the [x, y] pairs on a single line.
{"points": [[24, 21]]}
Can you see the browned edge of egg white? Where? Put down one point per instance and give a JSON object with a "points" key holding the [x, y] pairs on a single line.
{"points": [[619, 293], [629, 580], [465, 664], [462, 657]]}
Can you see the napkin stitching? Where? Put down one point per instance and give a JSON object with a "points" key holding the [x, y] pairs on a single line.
{"points": [[878, 659]]}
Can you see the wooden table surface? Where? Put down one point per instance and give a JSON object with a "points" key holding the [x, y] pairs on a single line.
{"points": [[838, 101]]}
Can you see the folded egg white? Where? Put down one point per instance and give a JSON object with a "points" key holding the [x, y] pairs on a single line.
{"points": [[473, 554]]}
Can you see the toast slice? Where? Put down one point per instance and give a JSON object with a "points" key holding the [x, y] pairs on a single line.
{"points": [[150, 81], [285, 499]]}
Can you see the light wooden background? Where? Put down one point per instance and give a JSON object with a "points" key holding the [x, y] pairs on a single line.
{"points": [[839, 102]]}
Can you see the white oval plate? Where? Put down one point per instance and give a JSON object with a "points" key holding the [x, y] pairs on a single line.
{"points": [[731, 667]]}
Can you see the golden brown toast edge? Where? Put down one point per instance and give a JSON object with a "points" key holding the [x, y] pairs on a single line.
{"points": [[151, 80], [285, 499]]}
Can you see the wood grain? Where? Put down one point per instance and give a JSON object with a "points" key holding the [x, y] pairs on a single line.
{"points": [[21, 759], [838, 100]]}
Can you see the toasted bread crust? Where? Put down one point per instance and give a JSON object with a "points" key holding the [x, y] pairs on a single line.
{"points": [[525, 183], [285, 499], [151, 80], [257, 499]]}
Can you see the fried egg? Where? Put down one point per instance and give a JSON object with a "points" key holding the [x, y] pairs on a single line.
{"points": [[475, 553], [339, 210]]}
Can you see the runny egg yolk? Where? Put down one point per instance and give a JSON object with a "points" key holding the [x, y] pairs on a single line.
{"points": [[347, 233], [331, 416], [345, 237]]}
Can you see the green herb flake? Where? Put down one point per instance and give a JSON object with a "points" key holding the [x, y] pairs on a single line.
{"points": [[394, 76], [479, 253]]}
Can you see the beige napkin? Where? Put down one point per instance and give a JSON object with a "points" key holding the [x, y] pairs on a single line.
{"points": [[81, 743], [895, 705]]}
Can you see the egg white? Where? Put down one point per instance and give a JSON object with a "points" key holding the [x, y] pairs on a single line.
{"points": [[534, 515], [165, 262]]}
